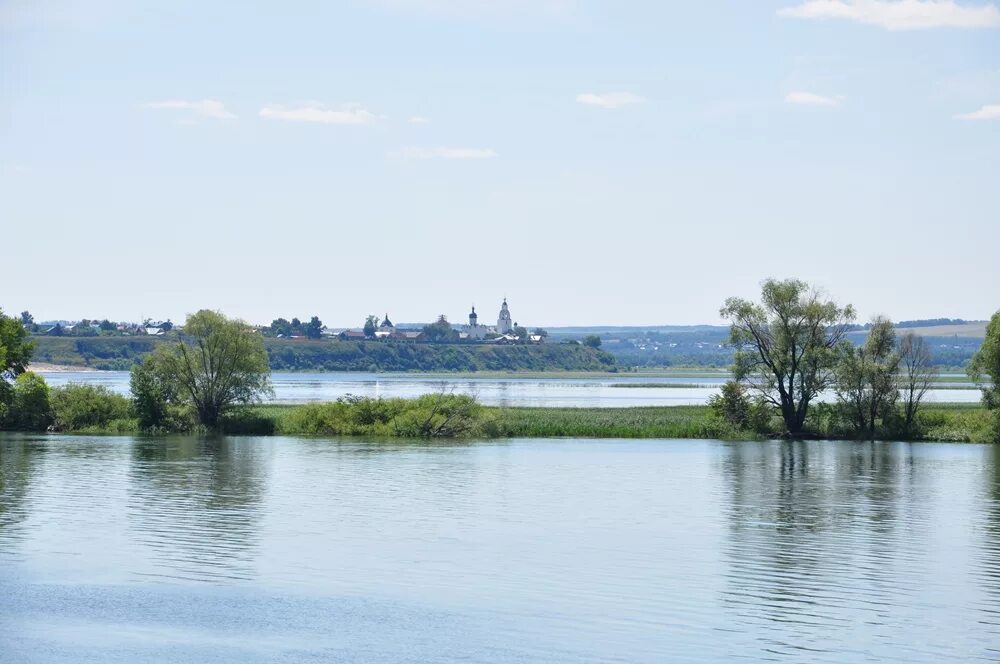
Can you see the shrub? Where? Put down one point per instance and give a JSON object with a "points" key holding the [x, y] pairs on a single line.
{"points": [[738, 411], [245, 422], [79, 406], [429, 416], [29, 408]]}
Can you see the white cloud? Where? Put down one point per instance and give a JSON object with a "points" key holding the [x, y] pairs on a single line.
{"points": [[445, 153], [416, 119], [900, 14], [812, 99], [345, 115], [610, 99], [206, 107], [988, 112]]}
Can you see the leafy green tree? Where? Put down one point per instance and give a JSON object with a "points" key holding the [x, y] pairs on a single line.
{"points": [[440, 332], [280, 327], [15, 353], [29, 408], [152, 396], [521, 333], [541, 333], [218, 364], [371, 324], [27, 320], [314, 328], [592, 340], [984, 369], [786, 346], [107, 326], [866, 377]]}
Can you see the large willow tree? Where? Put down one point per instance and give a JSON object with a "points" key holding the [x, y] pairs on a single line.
{"points": [[786, 345], [217, 364]]}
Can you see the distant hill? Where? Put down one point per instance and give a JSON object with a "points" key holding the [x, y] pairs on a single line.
{"points": [[121, 353], [952, 341]]}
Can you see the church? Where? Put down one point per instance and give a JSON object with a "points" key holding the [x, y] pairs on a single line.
{"points": [[504, 326]]}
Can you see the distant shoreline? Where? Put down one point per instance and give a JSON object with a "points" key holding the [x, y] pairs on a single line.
{"points": [[46, 367]]}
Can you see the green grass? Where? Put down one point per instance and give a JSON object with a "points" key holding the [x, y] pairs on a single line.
{"points": [[654, 422]]}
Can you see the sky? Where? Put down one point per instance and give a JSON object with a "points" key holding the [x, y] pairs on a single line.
{"points": [[594, 162]]}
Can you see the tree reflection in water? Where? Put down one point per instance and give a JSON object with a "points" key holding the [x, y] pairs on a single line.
{"points": [[195, 502]]}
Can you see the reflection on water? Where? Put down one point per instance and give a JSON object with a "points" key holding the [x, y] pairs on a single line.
{"points": [[217, 483], [278, 549]]}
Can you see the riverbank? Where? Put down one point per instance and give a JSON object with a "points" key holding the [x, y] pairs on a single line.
{"points": [[965, 423], [457, 416]]}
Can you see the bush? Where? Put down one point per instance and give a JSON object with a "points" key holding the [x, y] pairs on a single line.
{"points": [[738, 411], [245, 422], [77, 406], [29, 408], [429, 416]]}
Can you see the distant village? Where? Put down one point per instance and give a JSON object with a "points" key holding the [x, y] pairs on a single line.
{"points": [[505, 331]]}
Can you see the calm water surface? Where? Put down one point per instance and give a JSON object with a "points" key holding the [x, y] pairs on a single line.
{"points": [[119, 549], [504, 391]]}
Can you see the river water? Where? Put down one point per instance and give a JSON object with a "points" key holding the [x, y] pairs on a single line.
{"points": [[503, 391], [122, 549]]}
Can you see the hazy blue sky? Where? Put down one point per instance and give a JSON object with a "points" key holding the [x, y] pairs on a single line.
{"points": [[597, 162]]}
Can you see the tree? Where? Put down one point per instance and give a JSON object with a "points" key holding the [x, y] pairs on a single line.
{"points": [[29, 408], [152, 394], [866, 377], [280, 327], [917, 376], [592, 340], [984, 368], [786, 345], [107, 326], [217, 364], [371, 324], [521, 333], [15, 353], [314, 328], [440, 332], [27, 319], [539, 332]]}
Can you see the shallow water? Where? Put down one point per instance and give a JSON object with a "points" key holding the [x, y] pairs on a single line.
{"points": [[503, 391], [120, 549]]}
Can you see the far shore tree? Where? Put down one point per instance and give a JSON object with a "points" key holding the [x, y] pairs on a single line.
{"points": [[866, 378], [786, 346], [371, 324], [592, 340], [917, 374], [314, 328], [217, 364]]}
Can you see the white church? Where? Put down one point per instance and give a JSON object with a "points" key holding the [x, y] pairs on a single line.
{"points": [[503, 331]]}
